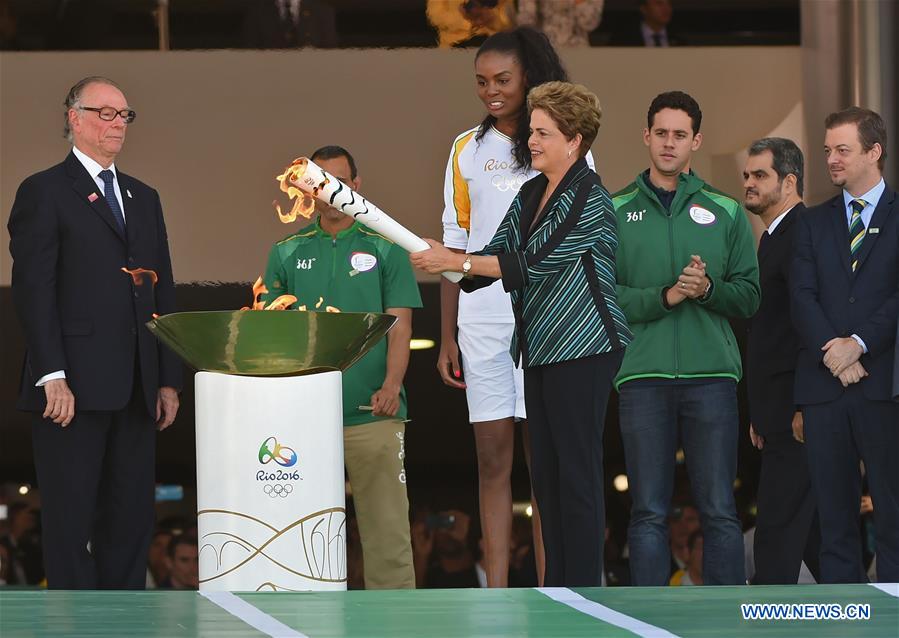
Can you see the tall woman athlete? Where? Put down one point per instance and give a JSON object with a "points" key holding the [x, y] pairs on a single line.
{"points": [[487, 166]]}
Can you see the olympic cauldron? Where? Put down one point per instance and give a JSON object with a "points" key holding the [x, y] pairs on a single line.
{"points": [[271, 509]]}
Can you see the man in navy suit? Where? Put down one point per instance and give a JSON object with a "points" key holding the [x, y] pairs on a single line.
{"points": [[786, 527], [845, 302], [95, 379]]}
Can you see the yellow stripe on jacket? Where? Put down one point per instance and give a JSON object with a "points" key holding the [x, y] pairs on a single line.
{"points": [[461, 200]]}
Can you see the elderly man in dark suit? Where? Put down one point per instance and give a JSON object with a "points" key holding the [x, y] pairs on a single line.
{"points": [[786, 526], [97, 382], [844, 288]]}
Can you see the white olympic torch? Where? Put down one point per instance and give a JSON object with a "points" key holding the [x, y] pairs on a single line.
{"points": [[305, 175]]}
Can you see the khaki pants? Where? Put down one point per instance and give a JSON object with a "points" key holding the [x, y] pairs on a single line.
{"points": [[374, 454]]}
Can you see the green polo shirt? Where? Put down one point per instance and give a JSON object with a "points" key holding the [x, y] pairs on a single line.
{"points": [[358, 271]]}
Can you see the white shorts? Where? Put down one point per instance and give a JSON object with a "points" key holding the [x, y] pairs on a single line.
{"points": [[494, 386]]}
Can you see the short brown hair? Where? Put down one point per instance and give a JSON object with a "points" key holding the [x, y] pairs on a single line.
{"points": [[871, 128], [572, 107]]}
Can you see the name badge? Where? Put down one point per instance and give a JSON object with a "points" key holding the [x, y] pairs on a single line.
{"points": [[702, 216], [362, 262]]}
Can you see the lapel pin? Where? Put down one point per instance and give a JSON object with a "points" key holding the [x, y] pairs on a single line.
{"points": [[873, 231], [129, 193], [93, 197]]}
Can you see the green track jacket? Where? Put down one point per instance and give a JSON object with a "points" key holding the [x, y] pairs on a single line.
{"points": [[694, 338]]}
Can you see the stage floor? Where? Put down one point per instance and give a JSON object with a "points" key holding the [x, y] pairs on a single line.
{"points": [[687, 612]]}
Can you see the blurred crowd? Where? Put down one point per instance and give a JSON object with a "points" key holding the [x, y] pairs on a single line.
{"points": [[286, 24], [447, 547], [172, 563]]}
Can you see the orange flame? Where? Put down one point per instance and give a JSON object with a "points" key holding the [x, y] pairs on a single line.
{"points": [[321, 300], [259, 289], [303, 203], [281, 302], [138, 275]]}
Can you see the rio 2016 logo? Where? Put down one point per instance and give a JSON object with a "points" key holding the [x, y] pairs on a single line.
{"points": [[271, 450]]}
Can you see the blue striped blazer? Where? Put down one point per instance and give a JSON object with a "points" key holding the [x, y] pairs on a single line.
{"points": [[561, 272]]}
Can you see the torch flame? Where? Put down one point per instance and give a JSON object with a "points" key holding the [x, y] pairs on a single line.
{"points": [[138, 274], [303, 203]]}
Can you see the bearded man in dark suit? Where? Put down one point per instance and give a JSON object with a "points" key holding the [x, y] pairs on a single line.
{"points": [[787, 525]]}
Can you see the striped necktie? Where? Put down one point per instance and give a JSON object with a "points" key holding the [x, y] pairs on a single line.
{"points": [[856, 231]]}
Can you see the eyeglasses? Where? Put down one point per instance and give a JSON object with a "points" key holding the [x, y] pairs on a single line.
{"points": [[107, 113]]}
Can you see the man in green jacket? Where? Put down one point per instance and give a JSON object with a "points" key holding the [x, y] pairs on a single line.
{"points": [[338, 262], [686, 262]]}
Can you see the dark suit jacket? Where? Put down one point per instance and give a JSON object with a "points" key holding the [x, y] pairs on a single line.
{"points": [[829, 300], [773, 345], [896, 367], [264, 29], [80, 312]]}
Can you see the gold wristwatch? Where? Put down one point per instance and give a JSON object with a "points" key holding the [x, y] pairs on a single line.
{"points": [[466, 265]]}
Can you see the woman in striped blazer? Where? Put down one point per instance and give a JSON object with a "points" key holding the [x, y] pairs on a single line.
{"points": [[555, 254]]}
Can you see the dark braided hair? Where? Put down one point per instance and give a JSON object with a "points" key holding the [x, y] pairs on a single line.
{"points": [[541, 64]]}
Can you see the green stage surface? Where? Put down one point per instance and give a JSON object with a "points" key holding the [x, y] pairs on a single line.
{"points": [[559, 613]]}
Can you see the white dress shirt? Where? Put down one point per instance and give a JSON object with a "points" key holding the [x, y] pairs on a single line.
{"points": [[778, 219], [94, 169]]}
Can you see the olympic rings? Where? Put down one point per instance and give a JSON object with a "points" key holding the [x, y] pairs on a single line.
{"points": [[278, 490]]}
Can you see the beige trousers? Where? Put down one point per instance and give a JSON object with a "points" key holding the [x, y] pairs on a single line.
{"points": [[374, 453]]}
